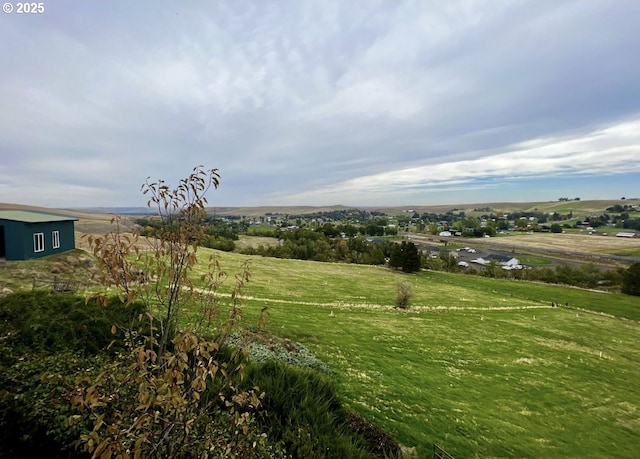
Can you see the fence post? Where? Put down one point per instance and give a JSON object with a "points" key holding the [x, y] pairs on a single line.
{"points": [[440, 453]]}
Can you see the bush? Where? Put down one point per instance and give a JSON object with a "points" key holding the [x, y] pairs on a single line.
{"points": [[41, 321], [47, 339], [404, 295], [219, 243], [263, 347], [189, 405], [33, 406]]}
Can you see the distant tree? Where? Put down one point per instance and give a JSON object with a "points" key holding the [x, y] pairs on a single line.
{"points": [[449, 263], [556, 228], [329, 230], [374, 230], [493, 270], [522, 224], [412, 260], [503, 225], [388, 231], [396, 256], [405, 256], [631, 280], [348, 230]]}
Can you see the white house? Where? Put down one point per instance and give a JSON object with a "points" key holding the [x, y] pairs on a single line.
{"points": [[507, 263], [480, 261]]}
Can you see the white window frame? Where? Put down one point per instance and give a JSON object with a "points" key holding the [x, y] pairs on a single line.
{"points": [[38, 242], [55, 236]]}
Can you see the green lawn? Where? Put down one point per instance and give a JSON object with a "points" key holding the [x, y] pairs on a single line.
{"points": [[483, 367], [483, 384], [630, 252], [529, 260]]}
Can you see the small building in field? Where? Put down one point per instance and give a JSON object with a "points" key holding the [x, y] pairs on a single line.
{"points": [[28, 234]]}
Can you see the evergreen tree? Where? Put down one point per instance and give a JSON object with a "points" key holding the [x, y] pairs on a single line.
{"points": [[411, 258], [405, 256], [396, 258]]}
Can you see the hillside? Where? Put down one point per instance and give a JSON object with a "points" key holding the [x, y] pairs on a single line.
{"points": [[579, 208], [483, 367]]}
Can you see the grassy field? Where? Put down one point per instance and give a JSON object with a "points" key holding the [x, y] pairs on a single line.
{"points": [[484, 367], [529, 260], [579, 208], [562, 243], [527, 383], [244, 242], [624, 252], [572, 242]]}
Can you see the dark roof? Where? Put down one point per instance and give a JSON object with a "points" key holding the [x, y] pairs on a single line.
{"points": [[498, 258], [33, 217]]}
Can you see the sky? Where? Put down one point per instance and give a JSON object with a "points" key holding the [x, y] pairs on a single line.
{"points": [[358, 103]]}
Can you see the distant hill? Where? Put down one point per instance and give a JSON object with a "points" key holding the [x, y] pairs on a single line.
{"points": [[264, 210], [579, 208], [9, 206]]}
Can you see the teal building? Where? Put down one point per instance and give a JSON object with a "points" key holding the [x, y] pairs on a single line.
{"points": [[28, 234]]}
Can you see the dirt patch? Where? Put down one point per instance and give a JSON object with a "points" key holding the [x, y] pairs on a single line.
{"points": [[379, 443]]}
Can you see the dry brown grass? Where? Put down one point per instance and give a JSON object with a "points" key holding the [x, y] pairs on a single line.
{"points": [[255, 241], [569, 242], [564, 245]]}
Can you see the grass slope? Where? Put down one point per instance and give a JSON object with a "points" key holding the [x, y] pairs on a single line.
{"points": [[484, 367], [484, 384]]}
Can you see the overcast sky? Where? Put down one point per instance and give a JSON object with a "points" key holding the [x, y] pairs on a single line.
{"points": [[321, 102]]}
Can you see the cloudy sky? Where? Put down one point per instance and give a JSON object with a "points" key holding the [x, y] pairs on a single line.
{"points": [[321, 102]]}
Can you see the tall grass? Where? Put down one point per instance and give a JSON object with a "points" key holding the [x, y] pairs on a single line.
{"points": [[40, 321], [303, 411]]}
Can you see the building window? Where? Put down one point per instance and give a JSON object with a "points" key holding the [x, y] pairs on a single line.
{"points": [[38, 242], [56, 239]]}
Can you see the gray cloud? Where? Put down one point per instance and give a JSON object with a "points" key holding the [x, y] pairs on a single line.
{"points": [[313, 100]]}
